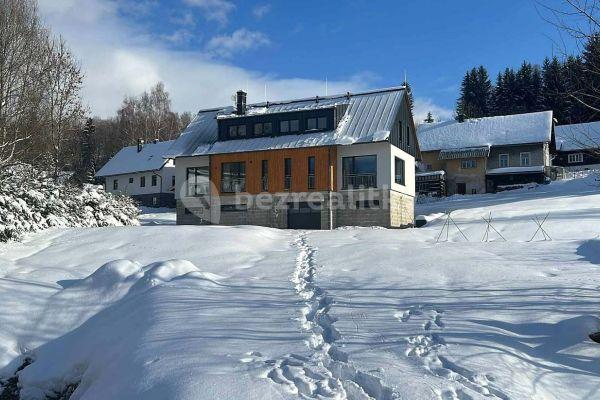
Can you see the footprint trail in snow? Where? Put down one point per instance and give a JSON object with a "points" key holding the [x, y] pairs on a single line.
{"points": [[327, 373], [427, 346]]}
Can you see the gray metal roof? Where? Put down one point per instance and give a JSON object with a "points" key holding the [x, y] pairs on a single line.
{"points": [[369, 118]]}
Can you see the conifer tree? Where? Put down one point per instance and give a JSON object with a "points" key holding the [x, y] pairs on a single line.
{"points": [[411, 100], [475, 95], [554, 90], [87, 168], [429, 118]]}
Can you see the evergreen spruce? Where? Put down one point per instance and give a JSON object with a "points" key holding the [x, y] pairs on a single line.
{"points": [[87, 165], [475, 99], [554, 90], [411, 100], [429, 118]]}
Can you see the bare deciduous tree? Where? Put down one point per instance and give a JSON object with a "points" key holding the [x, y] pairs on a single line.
{"points": [[22, 67], [62, 103]]}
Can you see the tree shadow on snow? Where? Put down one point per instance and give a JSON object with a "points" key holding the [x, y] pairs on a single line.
{"points": [[590, 251]]}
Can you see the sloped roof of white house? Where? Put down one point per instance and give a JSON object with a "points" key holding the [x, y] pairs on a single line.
{"points": [[369, 118], [128, 160], [489, 131], [578, 136]]}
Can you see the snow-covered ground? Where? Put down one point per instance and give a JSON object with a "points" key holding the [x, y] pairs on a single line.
{"points": [[259, 313]]}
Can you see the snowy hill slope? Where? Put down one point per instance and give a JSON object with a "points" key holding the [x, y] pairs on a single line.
{"points": [[352, 313]]}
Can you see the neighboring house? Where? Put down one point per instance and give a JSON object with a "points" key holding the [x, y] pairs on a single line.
{"points": [[143, 173], [315, 163], [485, 154], [578, 146]]}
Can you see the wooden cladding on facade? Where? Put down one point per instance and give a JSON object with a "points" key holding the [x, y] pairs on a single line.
{"points": [[324, 176]]}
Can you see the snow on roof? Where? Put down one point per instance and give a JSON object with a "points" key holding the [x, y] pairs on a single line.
{"points": [[128, 160], [369, 118], [515, 170], [489, 131], [578, 136]]}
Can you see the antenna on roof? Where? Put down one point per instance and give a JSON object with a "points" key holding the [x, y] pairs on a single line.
{"points": [[405, 80]]}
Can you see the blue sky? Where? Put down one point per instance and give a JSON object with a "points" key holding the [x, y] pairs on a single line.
{"points": [[204, 49]]}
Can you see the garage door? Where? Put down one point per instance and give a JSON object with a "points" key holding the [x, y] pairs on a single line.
{"points": [[304, 216]]}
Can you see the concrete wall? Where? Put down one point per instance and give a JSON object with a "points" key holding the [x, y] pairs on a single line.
{"points": [[393, 209], [539, 155]]}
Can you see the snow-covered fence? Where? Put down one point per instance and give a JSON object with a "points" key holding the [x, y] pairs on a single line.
{"points": [[31, 201]]}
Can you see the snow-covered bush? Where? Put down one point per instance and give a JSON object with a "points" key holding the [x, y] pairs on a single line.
{"points": [[30, 200]]}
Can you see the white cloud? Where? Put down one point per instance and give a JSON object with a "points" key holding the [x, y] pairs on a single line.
{"points": [[424, 105], [119, 58], [239, 41], [261, 10], [215, 10]]}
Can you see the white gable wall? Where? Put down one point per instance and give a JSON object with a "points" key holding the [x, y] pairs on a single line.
{"points": [[181, 166], [386, 154], [125, 187]]}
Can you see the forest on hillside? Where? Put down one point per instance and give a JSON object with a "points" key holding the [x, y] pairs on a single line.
{"points": [[569, 87]]}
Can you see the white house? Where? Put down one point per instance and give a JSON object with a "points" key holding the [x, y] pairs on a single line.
{"points": [[143, 173], [313, 163]]}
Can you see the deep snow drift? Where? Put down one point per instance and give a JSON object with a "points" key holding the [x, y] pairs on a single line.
{"points": [[352, 313]]}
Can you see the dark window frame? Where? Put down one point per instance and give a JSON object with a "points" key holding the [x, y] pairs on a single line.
{"points": [[358, 180], [237, 176], [130, 180], [154, 180], [264, 175], [240, 130], [142, 181], [287, 173], [115, 184], [311, 184], [192, 184], [289, 129], [402, 176]]}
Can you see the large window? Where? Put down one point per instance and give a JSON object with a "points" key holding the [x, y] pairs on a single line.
{"points": [[575, 158], [154, 180], [233, 177], [399, 171], [142, 181], [116, 184], [525, 159], [319, 123], [287, 179], [265, 175], [359, 172], [503, 160], [468, 164], [237, 131], [311, 172], [289, 126], [263, 129], [197, 181]]}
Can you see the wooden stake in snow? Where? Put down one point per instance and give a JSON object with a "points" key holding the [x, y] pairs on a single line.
{"points": [[486, 235], [540, 224], [446, 226]]}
